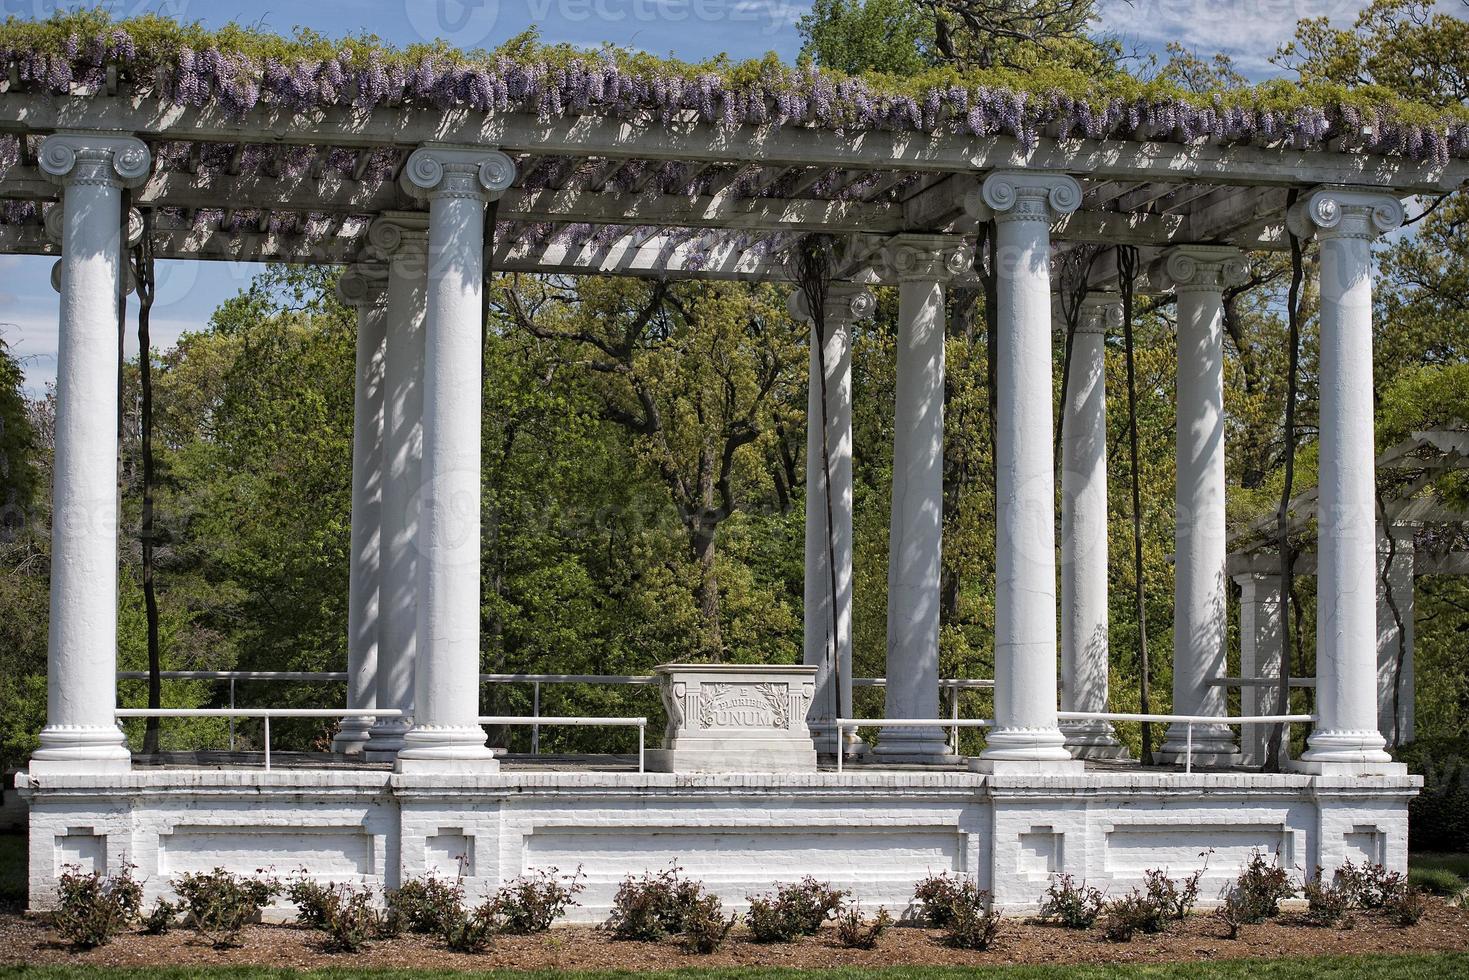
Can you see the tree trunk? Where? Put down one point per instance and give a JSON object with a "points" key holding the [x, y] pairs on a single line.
{"points": [[701, 535]]}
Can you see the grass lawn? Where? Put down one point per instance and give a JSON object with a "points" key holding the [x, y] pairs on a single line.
{"points": [[1440, 967], [12, 869], [1456, 863]]}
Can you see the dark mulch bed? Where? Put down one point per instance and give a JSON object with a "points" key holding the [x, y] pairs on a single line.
{"points": [[1445, 928]]}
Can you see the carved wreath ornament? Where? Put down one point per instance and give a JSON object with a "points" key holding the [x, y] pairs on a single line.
{"points": [[774, 696]]}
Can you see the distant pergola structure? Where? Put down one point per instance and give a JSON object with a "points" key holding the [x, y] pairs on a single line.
{"points": [[404, 196], [1418, 533]]}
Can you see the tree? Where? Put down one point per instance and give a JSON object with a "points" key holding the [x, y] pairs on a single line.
{"points": [[692, 371], [891, 36]]}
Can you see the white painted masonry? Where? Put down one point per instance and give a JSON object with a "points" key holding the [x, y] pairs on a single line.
{"points": [[921, 264], [1084, 644], [875, 833], [1346, 740], [365, 289], [401, 240], [457, 183], [1199, 274], [845, 303], [81, 693], [1026, 737]]}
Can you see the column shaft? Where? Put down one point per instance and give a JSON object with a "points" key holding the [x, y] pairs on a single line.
{"points": [[402, 239], [915, 534], [364, 290], [1199, 275], [1346, 739], [1026, 736], [81, 732], [1261, 650], [831, 699], [446, 732], [1084, 646]]}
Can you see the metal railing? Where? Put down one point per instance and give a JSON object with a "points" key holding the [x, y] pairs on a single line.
{"points": [[1188, 721], [952, 685], [266, 714], [640, 723]]}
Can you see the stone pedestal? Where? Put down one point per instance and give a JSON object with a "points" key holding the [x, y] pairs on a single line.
{"points": [[735, 718]]}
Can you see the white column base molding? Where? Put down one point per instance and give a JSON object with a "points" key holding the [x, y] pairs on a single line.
{"points": [[353, 736], [1095, 740], [428, 749], [81, 749], [1213, 745], [1026, 750]]}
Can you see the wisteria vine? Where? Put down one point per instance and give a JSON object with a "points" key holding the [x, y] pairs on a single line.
{"points": [[82, 55]]}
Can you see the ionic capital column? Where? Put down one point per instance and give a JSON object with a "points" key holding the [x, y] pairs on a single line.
{"points": [[1026, 737], [399, 240], [457, 182], [828, 616], [921, 264], [1346, 739], [364, 288], [1084, 646], [81, 733], [1199, 274]]}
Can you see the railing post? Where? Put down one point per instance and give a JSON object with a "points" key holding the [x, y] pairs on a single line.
{"points": [[1188, 760], [642, 728], [841, 744], [535, 730], [232, 717], [267, 743], [954, 713]]}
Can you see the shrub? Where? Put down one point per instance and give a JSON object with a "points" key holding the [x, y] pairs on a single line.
{"points": [[794, 910], [351, 920], [1438, 817], [1326, 904], [650, 907], [313, 900], [1175, 899], [471, 931], [92, 908], [533, 901], [1370, 886], [974, 923], [855, 932], [1260, 888], [1071, 905], [1122, 918], [162, 917], [1405, 906], [1232, 913], [1436, 881], [937, 896], [425, 905], [705, 928], [221, 904]]}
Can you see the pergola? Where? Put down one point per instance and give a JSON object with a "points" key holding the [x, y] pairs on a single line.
{"points": [[404, 194]]}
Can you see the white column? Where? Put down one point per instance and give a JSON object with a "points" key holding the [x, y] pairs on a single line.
{"points": [[81, 733], [1084, 659], [364, 288], [1026, 737], [1391, 642], [400, 240], [921, 264], [1199, 275], [457, 183], [1260, 652], [1346, 739], [844, 304]]}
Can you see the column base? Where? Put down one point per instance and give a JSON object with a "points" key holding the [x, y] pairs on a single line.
{"points": [[428, 748], [1212, 745], [79, 748], [1026, 750], [385, 740], [914, 746], [823, 737], [1093, 740], [353, 736], [1347, 753]]}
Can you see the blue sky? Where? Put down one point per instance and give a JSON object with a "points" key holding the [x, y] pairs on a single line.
{"points": [[1249, 30]]}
